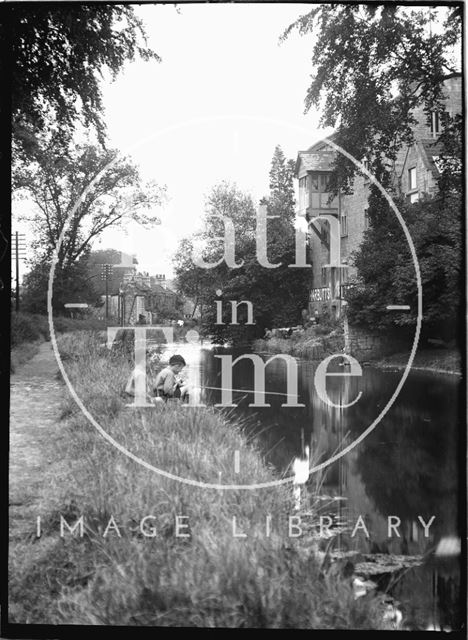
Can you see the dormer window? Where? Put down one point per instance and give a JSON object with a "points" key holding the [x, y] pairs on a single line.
{"points": [[412, 181], [412, 191]]}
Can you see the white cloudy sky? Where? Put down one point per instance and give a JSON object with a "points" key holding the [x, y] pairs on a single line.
{"points": [[223, 96]]}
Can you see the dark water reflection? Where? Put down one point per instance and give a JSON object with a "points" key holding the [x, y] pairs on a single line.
{"points": [[406, 467]]}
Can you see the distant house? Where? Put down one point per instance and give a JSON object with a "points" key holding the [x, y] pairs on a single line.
{"points": [[141, 297], [161, 301], [124, 266], [128, 305]]}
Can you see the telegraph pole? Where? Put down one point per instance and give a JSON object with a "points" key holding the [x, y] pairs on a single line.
{"points": [[19, 246], [106, 273]]}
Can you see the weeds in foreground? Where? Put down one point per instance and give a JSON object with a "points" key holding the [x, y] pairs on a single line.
{"points": [[156, 551], [22, 353]]}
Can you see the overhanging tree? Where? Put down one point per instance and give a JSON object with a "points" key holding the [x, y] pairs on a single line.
{"points": [[58, 55], [373, 64]]}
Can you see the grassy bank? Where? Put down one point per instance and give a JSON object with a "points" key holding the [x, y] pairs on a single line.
{"points": [[435, 360], [210, 578], [311, 343], [29, 330], [23, 353]]}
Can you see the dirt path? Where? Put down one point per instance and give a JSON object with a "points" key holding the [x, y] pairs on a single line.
{"points": [[35, 396]]}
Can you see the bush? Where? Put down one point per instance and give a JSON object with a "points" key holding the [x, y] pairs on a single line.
{"points": [[30, 327], [22, 353], [26, 327]]}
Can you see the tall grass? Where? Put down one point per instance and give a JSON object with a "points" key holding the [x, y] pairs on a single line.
{"points": [[29, 330], [210, 579], [29, 327], [22, 353]]}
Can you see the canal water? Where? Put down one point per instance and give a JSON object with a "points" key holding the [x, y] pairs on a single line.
{"points": [[406, 468]]}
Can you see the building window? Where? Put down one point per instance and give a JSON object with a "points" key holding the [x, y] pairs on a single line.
{"points": [[412, 184], [435, 123], [320, 197], [319, 182], [303, 193], [366, 218], [325, 229], [344, 225], [324, 277], [344, 274]]}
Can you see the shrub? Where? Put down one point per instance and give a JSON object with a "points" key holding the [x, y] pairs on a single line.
{"points": [[21, 354], [29, 327], [26, 327]]}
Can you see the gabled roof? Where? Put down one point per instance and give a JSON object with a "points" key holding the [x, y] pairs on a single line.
{"points": [[318, 157], [158, 289], [431, 149]]}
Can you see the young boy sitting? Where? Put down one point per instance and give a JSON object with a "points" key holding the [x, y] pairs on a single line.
{"points": [[168, 384]]}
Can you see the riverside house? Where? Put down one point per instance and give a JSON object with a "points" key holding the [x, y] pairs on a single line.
{"points": [[141, 297], [415, 176]]}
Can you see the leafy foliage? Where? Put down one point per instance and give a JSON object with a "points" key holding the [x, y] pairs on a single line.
{"points": [[386, 273], [71, 284], [76, 195], [278, 295], [449, 163], [81, 193], [58, 54], [199, 283], [373, 65]]}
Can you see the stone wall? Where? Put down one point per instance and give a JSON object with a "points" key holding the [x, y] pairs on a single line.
{"points": [[365, 345], [369, 345]]}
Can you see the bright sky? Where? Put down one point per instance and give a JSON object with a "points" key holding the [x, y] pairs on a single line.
{"points": [[225, 94]]}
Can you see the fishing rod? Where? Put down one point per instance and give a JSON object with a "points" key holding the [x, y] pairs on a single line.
{"points": [[274, 393]]}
